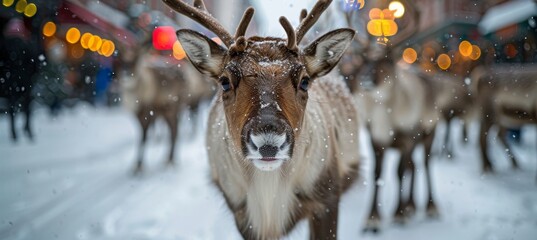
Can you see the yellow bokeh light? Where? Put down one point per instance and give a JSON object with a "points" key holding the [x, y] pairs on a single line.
{"points": [[465, 48], [476, 52], [107, 48], [178, 51], [443, 61], [398, 7], [49, 29], [95, 43], [73, 35], [30, 10], [20, 6], [8, 3], [410, 55], [84, 40]]}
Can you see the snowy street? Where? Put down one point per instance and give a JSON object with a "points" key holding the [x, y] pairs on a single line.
{"points": [[74, 182]]}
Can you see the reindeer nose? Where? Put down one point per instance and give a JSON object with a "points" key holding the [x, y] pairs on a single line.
{"points": [[268, 151]]}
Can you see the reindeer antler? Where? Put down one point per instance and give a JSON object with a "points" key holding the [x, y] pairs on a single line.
{"points": [[199, 13], [291, 37], [311, 18], [245, 21], [306, 22]]}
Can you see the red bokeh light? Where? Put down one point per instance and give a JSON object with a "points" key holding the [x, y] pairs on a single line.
{"points": [[164, 38]]}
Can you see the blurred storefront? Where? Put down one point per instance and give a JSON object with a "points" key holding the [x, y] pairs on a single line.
{"points": [[511, 28]]}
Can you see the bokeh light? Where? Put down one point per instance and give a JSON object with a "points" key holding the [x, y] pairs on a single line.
{"points": [[465, 48], [95, 43], [476, 52], [73, 35], [428, 54], [443, 61], [410, 55], [49, 29], [75, 51], [20, 6], [8, 3], [84, 40], [107, 48], [30, 10], [164, 38], [178, 51], [510, 50], [398, 7]]}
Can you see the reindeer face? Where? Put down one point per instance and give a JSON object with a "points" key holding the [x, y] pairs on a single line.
{"points": [[264, 88], [264, 81], [264, 91]]}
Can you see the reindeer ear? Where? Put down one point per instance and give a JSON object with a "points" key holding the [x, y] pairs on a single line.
{"points": [[206, 55], [324, 53]]}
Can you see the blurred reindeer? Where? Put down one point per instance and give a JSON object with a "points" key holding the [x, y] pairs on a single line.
{"points": [[151, 88], [507, 98], [403, 106], [454, 101]]}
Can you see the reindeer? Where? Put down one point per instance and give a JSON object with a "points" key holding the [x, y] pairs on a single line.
{"points": [[151, 89], [281, 138], [402, 108], [454, 99], [507, 97]]}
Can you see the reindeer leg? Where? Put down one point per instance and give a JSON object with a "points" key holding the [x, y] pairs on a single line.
{"points": [[448, 148], [483, 143], [145, 121], [464, 126], [502, 134], [410, 208], [323, 225], [432, 210], [11, 112], [373, 221], [172, 121], [399, 216], [27, 126]]}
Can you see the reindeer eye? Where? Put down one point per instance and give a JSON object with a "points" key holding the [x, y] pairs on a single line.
{"points": [[226, 85], [304, 83]]}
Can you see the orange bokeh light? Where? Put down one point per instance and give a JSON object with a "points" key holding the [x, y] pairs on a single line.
{"points": [[84, 40], [476, 52], [443, 61], [410, 55], [49, 29], [95, 43], [178, 51], [107, 48], [73, 35], [465, 48]]}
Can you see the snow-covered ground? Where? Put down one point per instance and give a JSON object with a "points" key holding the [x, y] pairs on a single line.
{"points": [[74, 182]]}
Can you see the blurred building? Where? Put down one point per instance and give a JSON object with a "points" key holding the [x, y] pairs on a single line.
{"points": [[511, 28], [503, 30]]}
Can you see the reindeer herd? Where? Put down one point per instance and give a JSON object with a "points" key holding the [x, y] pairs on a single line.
{"points": [[283, 128], [282, 134]]}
